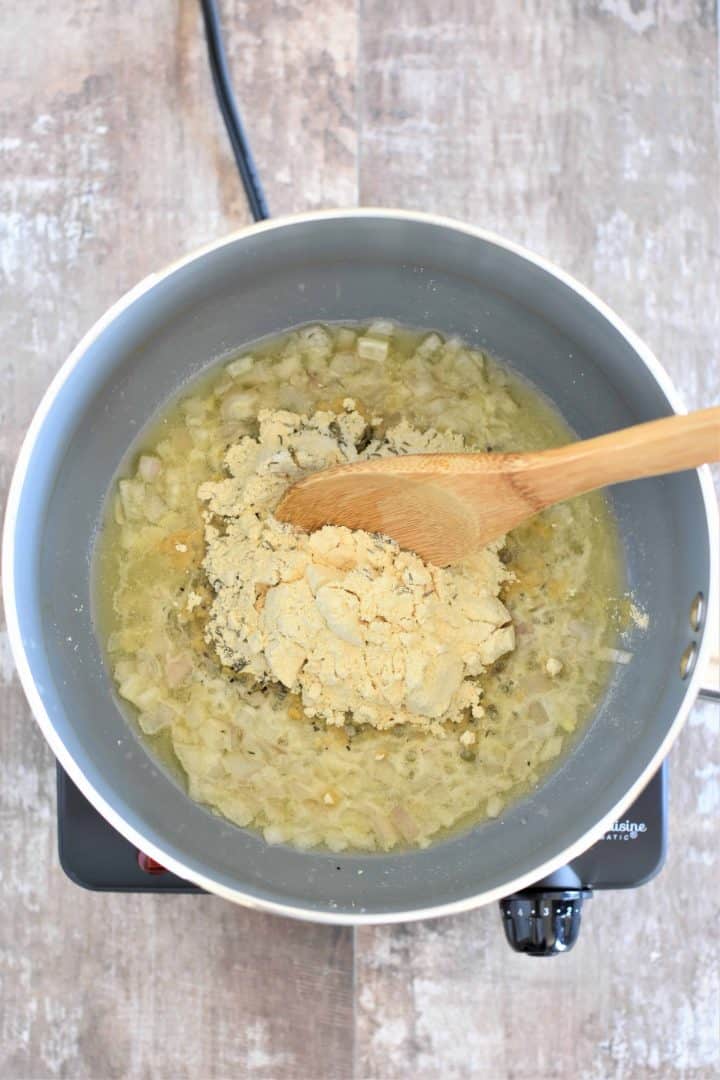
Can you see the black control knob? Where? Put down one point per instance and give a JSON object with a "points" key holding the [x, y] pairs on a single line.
{"points": [[543, 922]]}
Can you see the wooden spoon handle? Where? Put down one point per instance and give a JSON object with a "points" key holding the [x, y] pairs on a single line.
{"points": [[661, 446], [445, 506]]}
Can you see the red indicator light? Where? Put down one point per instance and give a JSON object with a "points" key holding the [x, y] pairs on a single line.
{"points": [[149, 865]]}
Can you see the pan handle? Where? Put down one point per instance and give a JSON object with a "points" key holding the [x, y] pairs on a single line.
{"points": [[709, 695]]}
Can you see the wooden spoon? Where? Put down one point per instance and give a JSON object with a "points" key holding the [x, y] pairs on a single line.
{"points": [[444, 506]]}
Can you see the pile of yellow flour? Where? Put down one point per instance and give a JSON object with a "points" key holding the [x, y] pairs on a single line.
{"points": [[359, 629]]}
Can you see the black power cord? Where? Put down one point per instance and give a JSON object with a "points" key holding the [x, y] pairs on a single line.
{"points": [[231, 113]]}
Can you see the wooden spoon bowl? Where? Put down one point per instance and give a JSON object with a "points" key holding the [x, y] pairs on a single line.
{"points": [[445, 506]]}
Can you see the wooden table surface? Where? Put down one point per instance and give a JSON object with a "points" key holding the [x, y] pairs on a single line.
{"points": [[586, 129]]}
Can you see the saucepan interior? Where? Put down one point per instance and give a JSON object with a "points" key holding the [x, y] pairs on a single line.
{"points": [[422, 272]]}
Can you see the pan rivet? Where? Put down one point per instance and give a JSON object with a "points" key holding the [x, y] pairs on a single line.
{"points": [[687, 660], [697, 610]]}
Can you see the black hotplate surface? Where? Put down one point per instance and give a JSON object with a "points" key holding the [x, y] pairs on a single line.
{"points": [[94, 855]]}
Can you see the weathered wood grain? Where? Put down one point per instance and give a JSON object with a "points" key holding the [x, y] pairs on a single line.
{"points": [[114, 160], [584, 129], [587, 131]]}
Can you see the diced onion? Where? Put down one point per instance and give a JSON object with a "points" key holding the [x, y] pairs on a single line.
{"points": [[239, 367], [178, 668], [156, 719], [552, 748], [345, 339], [405, 823], [372, 349], [239, 405], [149, 467], [429, 345]]}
